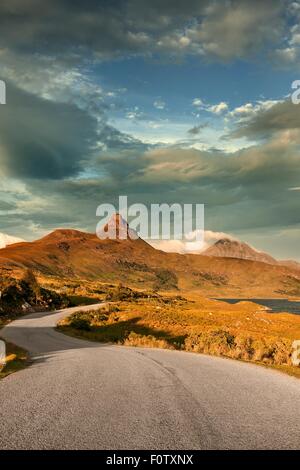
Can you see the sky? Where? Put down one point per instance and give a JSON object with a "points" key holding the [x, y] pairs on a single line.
{"points": [[163, 101]]}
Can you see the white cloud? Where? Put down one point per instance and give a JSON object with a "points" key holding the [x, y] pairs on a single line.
{"points": [[187, 246], [248, 110], [241, 113], [184, 41], [6, 240], [159, 104], [134, 113], [198, 103], [244, 110], [218, 108]]}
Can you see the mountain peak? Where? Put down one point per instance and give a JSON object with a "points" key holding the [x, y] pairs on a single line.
{"points": [[117, 228], [232, 248], [227, 241]]}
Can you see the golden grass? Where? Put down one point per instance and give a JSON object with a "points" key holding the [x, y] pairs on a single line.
{"points": [[244, 331]]}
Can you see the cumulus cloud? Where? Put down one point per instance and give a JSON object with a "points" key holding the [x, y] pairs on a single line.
{"points": [[55, 125], [270, 118], [198, 103], [134, 113], [218, 108], [241, 190], [239, 28], [275, 161], [249, 110], [106, 29], [288, 54], [220, 31]]}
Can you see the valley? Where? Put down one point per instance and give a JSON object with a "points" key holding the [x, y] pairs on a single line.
{"points": [[157, 299]]}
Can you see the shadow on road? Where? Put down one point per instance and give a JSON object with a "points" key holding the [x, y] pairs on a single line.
{"points": [[44, 339]]}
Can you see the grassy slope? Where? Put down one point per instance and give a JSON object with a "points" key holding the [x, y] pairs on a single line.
{"points": [[198, 325], [136, 263]]}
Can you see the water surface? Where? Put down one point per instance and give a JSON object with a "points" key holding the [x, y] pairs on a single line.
{"points": [[274, 305]]}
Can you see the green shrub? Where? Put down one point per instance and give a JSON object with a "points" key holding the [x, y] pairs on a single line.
{"points": [[121, 292], [80, 323], [30, 287], [165, 279]]}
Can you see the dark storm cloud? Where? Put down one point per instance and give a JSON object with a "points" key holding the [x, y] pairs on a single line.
{"points": [[52, 139], [44, 139], [104, 27], [254, 172], [245, 190], [116, 140], [41, 138], [75, 29], [248, 189]]}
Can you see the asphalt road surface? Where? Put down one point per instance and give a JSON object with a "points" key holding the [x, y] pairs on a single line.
{"points": [[83, 395]]}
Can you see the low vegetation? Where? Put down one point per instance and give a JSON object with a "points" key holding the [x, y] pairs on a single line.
{"points": [[244, 331], [16, 359], [165, 280], [26, 295], [156, 318], [120, 292]]}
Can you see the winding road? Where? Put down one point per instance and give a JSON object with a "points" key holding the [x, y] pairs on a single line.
{"points": [[83, 395]]}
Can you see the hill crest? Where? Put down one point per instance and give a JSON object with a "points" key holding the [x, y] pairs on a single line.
{"points": [[71, 254], [231, 248]]}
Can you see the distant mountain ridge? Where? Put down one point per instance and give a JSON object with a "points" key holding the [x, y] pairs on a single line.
{"points": [[290, 264], [71, 254], [230, 248]]}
